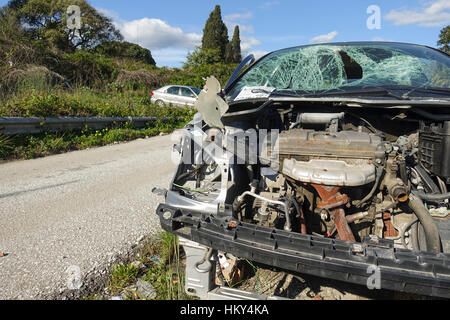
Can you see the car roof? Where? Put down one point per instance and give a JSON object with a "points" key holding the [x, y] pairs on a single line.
{"points": [[177, 85]]}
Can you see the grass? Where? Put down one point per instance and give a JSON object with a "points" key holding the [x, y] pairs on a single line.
{"points": [[45, 144], [121, 276], [162, 267], [40, 145], [83, 102], [6, 145]]}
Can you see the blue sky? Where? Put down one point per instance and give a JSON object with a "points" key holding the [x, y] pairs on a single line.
{"points": [[172, 28]]}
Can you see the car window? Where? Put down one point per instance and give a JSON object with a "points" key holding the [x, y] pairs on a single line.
{"points": [[173, 90], [196, 90], [186, 92]]}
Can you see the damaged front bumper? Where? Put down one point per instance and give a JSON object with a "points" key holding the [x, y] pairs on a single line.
{"points": [[360, 263]]}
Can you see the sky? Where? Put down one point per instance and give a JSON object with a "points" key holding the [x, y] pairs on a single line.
{"points": [[172, 28]]}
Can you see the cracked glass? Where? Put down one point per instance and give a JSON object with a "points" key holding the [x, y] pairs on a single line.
{"points": [[318, 68]]}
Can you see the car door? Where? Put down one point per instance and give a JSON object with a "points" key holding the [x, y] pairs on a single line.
{"points": [[188, 97], [173, 95]]}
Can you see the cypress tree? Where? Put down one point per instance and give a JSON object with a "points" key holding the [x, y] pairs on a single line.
{"points": [[215, 33], [233, 53]]}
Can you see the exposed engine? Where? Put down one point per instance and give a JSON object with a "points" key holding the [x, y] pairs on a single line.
{"points": [[345, 184], [331, 175]]}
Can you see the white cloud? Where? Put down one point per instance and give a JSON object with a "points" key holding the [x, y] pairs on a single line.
{"points": [[113, 15], [169, 44], [157, 34], [239, 19], [269, 4], [247, 44], [324, 37], [435, 14], [238, 16]]}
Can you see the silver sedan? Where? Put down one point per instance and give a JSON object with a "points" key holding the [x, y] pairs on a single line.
{"points": [[175, 95]]}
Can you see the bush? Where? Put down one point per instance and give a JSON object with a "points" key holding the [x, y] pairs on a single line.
{"points": [[125, 50], [87, 69], [139, 79]]}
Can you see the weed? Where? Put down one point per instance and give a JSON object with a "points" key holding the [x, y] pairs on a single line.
{"points": [[163, 268], [121, 276], [6, 145]]}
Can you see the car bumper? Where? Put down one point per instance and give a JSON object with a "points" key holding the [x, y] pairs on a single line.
{"points": [[398, 269]]}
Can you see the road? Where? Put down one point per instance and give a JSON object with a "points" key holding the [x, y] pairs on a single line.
{"points": [[76, 211]]}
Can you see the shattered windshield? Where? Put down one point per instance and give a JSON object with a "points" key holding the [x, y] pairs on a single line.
{"points": [[320, 68]]}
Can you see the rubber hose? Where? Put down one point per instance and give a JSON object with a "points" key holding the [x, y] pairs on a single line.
{"points": [[415, 237], [379, 173], [430, 228], [433, 197]]}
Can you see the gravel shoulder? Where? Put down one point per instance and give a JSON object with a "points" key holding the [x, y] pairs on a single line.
{"points": [[81, 210]]}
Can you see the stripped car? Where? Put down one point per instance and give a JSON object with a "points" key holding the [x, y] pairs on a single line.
{"points": [[329, 160]]}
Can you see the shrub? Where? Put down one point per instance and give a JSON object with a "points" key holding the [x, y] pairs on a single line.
{"points": [[88, 69], [125, 50]]}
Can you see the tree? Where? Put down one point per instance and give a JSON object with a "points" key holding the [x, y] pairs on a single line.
{"points": [[16, 4], [125, 50], [10, 28], [46, 21], [444, 39], [215, 33], [201, 56], [233, 53]]}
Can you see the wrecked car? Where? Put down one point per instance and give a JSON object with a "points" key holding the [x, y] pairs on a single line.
{"points": [[329, 160]]}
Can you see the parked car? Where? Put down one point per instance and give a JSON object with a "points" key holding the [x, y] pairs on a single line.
{"points": [[351, 175], [175, 95]]}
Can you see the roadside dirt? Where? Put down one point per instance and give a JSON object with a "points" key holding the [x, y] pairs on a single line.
{"points": [[304, 287]]}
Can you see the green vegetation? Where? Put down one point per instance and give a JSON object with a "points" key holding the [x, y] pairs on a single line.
{"points": [[233, 51], [216, 49], [45, 24], [215, 33], [444, 39], [44, 144], [160, 265], [121, 276], [48, 70]]}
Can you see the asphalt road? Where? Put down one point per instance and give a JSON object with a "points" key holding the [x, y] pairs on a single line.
{"points": [[76, 212]]}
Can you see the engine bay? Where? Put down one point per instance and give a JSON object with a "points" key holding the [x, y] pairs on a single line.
{"points": [[343, 175]]}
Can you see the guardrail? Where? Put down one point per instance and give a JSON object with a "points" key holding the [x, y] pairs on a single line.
{"points": [[10, 126]]}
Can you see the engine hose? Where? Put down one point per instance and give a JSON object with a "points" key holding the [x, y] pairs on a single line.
{"points": [[432, 197], [402, 234], [379, 173], [415, 237], [427, 222]]}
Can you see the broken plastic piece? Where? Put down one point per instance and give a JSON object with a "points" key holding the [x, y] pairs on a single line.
{"points": [[211, 106]]}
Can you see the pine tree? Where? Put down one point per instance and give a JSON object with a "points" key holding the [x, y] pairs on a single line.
{"points": [[215, 33], [444, 39], [233, 53]]}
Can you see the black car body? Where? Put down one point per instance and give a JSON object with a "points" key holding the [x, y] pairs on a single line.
{"points": [[331, 160]]}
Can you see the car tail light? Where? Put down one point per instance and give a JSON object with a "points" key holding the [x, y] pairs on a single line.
{"points": [[153, 94]]}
